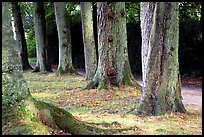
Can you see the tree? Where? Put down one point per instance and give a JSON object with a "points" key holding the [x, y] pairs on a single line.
{"points": [[160, 41], [20, 36], [42, 64], [21, 113], [64, 35], [88, 39], [113, 64]]}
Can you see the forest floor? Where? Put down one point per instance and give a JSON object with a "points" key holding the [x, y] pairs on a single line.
{"points": [[111, 108]]}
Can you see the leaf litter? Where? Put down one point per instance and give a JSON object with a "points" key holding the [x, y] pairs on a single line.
{"points": [[109, 108]]}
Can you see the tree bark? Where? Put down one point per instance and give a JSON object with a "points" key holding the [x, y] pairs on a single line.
{"points": [[64, 35], [42, 64], [20, 36], [113, 64], [88, 39], [160, 41], [21, 113]]}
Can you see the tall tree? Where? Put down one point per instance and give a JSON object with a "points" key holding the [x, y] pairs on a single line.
{"points": [[20, 36], [113, 64], [160, 41], [42, 64], [88, 39], [21, 113], [64, 35]]}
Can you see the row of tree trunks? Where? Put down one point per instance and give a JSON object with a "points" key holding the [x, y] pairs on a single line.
{"points": [[159, 21], [113, 68], [21, 113]]}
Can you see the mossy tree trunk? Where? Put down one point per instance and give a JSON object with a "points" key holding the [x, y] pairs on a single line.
{"points": [[88, 39], [20, 36], [21, 113], [160, 41], [113, 64], [64, 35], [42, 64]]}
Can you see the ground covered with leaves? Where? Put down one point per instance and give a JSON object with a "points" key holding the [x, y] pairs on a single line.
{"points": [[109, 108]]}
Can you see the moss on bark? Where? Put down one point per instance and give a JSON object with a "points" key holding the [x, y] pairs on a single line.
{"points": [[60, 71], [34, 117], [128, 78]]}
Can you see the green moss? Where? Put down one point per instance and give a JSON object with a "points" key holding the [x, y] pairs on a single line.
{"points": [[27, 127], [25, 120], [104, 84], [60, 70], [128, 78]]}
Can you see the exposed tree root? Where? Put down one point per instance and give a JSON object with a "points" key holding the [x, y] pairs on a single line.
{"points": [[54, 118]]}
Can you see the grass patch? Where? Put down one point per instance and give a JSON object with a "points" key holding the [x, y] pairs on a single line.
{"points": [[32, 60], [109, 108]]}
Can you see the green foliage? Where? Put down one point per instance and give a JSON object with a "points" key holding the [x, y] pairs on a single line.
{"points": [[190, 10], [31, 46], [27, 15], [50, 16], [32, 60], [132, 11], [73, 10]]}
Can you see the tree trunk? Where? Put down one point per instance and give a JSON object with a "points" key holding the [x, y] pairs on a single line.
{"points": [[160, 41], [113, 64], [88, 39], [64, 35], [20, 36], [21, 113], [40, 35]]}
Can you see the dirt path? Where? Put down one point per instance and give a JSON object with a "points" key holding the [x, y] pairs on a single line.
{"points": [[192, 92]]}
